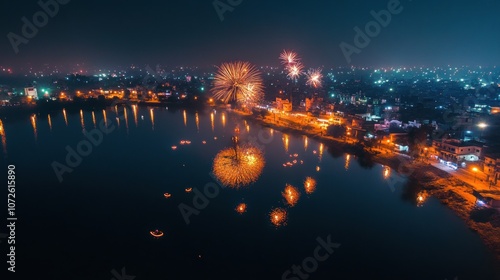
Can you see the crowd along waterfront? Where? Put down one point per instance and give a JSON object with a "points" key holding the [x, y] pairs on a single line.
{"points": [[119, 206]]}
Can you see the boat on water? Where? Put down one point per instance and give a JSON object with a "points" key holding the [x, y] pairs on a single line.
{"points": [[156, 233]]}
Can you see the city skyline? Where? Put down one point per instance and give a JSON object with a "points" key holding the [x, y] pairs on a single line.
{"points": [[110, 35]]}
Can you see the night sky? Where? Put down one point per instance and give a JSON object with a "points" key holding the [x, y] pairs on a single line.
{"points": [[190, 33]]}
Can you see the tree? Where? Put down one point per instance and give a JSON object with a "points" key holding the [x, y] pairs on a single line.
{"points": [[417, 140], [336, 131]]}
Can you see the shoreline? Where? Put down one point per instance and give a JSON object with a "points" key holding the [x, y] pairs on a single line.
{"points": [[450, 191]]}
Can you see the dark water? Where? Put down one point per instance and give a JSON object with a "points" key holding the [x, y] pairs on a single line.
{"points": [[98, 219]]}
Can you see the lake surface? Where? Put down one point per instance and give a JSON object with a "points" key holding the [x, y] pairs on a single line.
{"points": [[96, 223]]}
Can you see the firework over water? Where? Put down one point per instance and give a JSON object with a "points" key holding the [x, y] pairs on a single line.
{"points": [[238, 82], [238, 166]]}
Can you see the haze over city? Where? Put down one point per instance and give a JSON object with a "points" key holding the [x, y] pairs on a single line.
{"points": [[112, 34]]}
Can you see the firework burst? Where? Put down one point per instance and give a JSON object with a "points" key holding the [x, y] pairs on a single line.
{"points": [[289, 57], [278, 217], [314, 77], [310, 185], [241, 208], [291, 195], [238, 82], [295, 70], [239, 166]]}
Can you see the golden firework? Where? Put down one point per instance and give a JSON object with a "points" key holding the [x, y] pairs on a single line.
{"points": [[310, 185], [238, 166], [291, 195], [289, 57], [278, 217], [241, 208], [314, 77], [295, 70], [238, 82]]}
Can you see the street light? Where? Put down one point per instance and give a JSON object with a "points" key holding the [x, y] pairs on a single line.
{"points": [[475, 173], [482, 125]]}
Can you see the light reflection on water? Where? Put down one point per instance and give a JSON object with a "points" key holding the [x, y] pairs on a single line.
{"points": [[337, 195]]}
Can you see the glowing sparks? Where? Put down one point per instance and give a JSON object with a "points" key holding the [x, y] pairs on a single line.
{"points": [[295, 71], [289, 57], [238, 82], [310, 185], [238, 166], [241, 208], [291, 195], [314, 77], [278, 217]]}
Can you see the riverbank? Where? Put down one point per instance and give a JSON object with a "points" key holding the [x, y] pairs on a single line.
{"points": [[453, 193]]}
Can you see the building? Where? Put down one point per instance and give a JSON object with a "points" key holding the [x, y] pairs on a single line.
{"points": [[31, 92], [283, 105], [492, 168], [457, 151]]}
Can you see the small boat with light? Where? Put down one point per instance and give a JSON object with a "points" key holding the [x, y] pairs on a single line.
{"points": [[156, 233], [188, 190], [167, 195]]}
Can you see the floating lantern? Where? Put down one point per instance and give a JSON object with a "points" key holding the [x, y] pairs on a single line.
{"points": [[241, 208], [156, 233]]}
